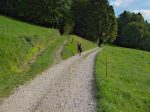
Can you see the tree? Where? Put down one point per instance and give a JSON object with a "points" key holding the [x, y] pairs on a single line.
{"points": [[132, 33], [137, 18], [50, 13], [8, 7], [87, 18], [93, 18], [125, 18]]}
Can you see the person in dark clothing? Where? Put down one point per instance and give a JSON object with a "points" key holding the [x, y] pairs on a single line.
{"points": [[79, 48]]}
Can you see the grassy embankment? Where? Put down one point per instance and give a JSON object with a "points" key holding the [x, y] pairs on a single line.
{"points": [[71, 47], [25, 51], [127, 87]]}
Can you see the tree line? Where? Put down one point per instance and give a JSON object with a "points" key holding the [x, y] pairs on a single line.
{"points": [[133, 31], [92, 19]]}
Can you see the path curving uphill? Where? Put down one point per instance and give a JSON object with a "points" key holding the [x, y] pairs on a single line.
{"points": [[66, 87]]}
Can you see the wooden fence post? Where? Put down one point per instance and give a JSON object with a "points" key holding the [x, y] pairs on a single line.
{"points": [[5, 29], [106, 66]]}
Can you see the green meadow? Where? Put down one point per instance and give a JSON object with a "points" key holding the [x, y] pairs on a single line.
{"points": [[127, 85], [25, 51]]}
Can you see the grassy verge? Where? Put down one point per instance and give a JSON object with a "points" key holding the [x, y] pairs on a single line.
{"points": [[25, 51], [71, 47], [127, 87]]}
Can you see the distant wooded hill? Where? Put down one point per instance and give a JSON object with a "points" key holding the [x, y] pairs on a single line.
{"points": [[134, 31]]}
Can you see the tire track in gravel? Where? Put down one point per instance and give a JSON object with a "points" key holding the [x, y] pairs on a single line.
{"points": [[66, 87]]}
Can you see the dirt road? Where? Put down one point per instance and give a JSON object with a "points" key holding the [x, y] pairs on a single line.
{"points": [[66, 87]]}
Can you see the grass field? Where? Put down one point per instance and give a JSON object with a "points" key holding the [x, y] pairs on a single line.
{"points": [[127, 87], [71, 47], [25, 51]]}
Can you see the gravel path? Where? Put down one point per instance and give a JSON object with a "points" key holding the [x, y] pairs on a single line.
{"points": [[66, 87], [59, 52]]}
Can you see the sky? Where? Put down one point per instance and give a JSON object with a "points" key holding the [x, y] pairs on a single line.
{"points": [[142, 6]]}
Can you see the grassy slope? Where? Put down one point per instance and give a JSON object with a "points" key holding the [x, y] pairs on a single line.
{"points": [[127, 88], [71, 46], [20, 44]]}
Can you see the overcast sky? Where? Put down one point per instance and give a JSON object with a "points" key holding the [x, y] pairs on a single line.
{"points": [[142, 6]]}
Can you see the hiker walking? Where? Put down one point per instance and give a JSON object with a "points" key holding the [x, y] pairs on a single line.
{"points": [[79, 48]]}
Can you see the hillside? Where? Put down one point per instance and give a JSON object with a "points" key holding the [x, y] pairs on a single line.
{"points": [[126, 88], [25, 50], [70, 48]]}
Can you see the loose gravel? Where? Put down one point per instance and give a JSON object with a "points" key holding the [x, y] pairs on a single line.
{"points": [[66, 87]]}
